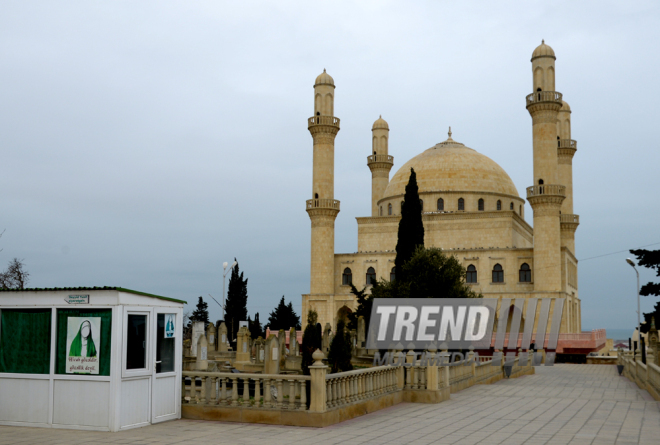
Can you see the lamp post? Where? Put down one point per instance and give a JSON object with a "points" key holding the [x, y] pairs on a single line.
{"points": [[639, 330], [224, 276]]}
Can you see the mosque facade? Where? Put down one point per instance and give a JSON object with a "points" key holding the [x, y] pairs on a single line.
{"points": [[470, 209]]}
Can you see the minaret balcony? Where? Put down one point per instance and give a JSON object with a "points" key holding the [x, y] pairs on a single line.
{"points": [[546, 189], [317, 121], [380, 158], [539, 97], [567, 218], [332, 204], [568, 143]]}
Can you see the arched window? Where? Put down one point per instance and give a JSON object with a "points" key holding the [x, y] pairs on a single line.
{"points": [[481, 205], [525, 273], [498, 274], [380, 211], [499, 205], [511, 206], [316, 196], [540, 181], [393, 274], [347, 277], [471, 276], [441, 204], [389, 209], [421, 204], [461, 204], [520, 210], [371, 276]]}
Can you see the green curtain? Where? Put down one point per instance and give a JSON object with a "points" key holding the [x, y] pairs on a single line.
{"points": [[25, 341], [102, 344]]}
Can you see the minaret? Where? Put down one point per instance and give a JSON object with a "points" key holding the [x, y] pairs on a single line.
{"points": [[323, 208], [546, 195], [379, 163], [565, 151]]}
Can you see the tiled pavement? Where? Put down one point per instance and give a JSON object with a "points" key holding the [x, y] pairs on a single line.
{"points": [[564, 404]]}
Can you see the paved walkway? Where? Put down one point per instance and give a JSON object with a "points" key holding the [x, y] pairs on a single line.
{"points": [[563, 404]]}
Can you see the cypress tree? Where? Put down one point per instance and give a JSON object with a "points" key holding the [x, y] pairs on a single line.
{"points": [[339, 356], [236, 305], [311, 341], [411, 228], [201, 312]]}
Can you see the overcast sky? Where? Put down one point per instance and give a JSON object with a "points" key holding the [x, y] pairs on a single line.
{"points": [[144, 143]]}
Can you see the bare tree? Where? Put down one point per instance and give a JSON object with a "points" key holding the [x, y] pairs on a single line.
{"points": [[15, 277]]}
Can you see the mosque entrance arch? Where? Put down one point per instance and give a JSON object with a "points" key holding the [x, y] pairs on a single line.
{"points": [[342, 314]]}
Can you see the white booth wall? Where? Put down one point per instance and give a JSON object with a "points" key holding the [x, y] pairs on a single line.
{"points": [[138, 391]]}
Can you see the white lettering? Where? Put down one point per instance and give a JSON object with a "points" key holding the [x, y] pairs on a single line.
{"points": [[425, 323], [385, 313], [455, 324], [482, 311], [405, 317]]}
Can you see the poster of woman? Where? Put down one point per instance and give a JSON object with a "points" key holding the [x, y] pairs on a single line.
{"points": [[83, 342]]}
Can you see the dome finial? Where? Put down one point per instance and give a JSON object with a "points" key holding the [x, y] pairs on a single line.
{"points": [[324, 70], [542, 43], [449, 133]]}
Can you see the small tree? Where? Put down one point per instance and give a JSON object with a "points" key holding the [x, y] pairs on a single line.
{"points": [[283, 317], [311, 341], [256, 329], [236, 304], [201, 312], [411, 228], [15, 277], [339, 356], [365, 302]]}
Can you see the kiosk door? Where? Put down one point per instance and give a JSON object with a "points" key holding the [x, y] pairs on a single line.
{"points": [[166, 381]]}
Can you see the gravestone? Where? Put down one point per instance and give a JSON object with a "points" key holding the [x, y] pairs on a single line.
{"points": [[361, 332], [272, 356], [222, 337], [197, 331], [210, 337], [325, 343], [281, 337], [293, 342], [202, 353], [243, 345]]}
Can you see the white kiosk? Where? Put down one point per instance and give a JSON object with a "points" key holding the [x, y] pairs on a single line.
{"points": [[101, 358]]}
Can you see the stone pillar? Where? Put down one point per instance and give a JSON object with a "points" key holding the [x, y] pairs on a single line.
{"points": [[202, 363], [222, 337], [318, 395], [243, 345], [210, 335], [272, 356], [431, 371]]}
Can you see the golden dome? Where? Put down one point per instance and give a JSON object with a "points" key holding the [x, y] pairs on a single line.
{"points": [[451, 166], [543, 50], [380, 123], [324, 79], [565, 107]]}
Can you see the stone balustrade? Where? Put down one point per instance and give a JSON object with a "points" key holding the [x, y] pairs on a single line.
{"points": [[344, 388], [323, 120], [380, 158], [544, 96], [567, 143], [569, 218], [323, 204], [546, 189], [277, 391], [645, 375]]}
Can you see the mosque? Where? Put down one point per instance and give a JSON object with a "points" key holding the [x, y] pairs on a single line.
{"points": [[471, 209]]}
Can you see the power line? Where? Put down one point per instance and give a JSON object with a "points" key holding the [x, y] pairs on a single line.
{"points": [[614, 253]]}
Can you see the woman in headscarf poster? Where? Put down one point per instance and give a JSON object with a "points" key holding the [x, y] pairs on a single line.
{"points": [[83, 344]]}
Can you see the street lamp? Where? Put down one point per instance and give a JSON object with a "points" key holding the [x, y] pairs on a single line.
{"points": [[224, 275], [639, 330]]}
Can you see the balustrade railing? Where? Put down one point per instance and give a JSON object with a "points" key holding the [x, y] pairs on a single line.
{"points": [[380, 158], [546, 189], [544, 96], [323, 204], [279, 391], [347, 387], [323, 120], [567, 143], [569, 218]]}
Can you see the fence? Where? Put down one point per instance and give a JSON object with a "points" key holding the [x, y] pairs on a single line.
{"points": [[646, 376]]}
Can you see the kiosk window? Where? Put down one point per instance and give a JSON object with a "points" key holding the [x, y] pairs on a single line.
{"points": [[25, 341], [165, 344], [136, 342]]}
